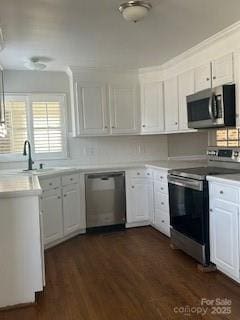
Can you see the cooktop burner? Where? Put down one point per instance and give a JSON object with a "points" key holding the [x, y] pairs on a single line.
{"points": [[200, 173]]}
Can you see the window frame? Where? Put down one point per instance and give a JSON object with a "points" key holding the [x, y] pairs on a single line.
{"points": [[29, 98]]}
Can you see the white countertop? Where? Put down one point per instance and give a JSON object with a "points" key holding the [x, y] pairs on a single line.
{"points": [[233, 179], [16, 182], [19, 186]]}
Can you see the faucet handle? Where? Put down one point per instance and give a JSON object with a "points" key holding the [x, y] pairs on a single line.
{"points": [[41, 166]]}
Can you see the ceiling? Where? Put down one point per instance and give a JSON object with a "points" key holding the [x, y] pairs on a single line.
{"points": [[92, 33]]}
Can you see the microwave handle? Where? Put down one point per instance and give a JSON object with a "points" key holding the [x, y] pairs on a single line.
{"points": [[210, 107]]}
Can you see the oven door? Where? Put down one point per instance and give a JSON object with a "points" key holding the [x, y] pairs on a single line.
{"points": [[204, 110], [188, 200]]}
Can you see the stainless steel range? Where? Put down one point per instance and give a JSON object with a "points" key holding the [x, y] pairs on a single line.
{"points": [[189, 203]]}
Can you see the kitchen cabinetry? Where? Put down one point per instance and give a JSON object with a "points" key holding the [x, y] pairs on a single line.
{"points": [[139, 194], [171, 104], [63, 207], [161, 219], [215, 73], [123, 107], [152, 107], [51, 207], [92, 112], [97, 114], [185, 88], [224, 228], [203, 75], [222, 70]]}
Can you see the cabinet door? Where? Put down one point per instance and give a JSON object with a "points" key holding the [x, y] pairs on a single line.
{"points": [[51, 206], [222, 70], [203, 77], [139, 200], [124, 113], [171, 104], [152, 107], [224, 236], [72, 209], [185, 88], [92, 116]]}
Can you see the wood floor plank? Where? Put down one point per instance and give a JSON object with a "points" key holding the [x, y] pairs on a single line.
{"points": [[126, 275]]}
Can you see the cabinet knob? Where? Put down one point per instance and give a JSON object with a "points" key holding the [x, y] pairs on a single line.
{"points": [[221, 192], [211, 210], [148, 174], [214, 78], [176, 123], [161, 177], [163, 221], [144, 126], [65, 195], [133, 187], [162, 203], [71, 179], [113, 127], [106, 127], [50, 183], [138, 173], [59, 197], [207, 79], [162, 188]]}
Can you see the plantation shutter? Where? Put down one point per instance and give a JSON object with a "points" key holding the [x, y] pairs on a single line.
{"points": [[48, 124], [16, 125]]}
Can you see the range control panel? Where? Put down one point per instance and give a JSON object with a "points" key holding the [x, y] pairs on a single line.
{"points": [[223, 154]]}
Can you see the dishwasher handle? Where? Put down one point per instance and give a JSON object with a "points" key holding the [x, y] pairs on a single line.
{"points": [[105, 176]]}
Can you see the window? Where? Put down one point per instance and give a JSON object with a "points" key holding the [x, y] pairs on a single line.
{"points": [[38, 118], [226, 138]]}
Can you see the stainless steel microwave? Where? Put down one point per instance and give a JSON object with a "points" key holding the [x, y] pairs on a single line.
{"points": [[212, 108]]}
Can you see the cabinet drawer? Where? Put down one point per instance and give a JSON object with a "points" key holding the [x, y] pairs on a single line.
{"points": [[162, 222], [70, 179], [224, 192], [160, 176], [161, 201], [160, 187], [51, 183], [141, 173]]}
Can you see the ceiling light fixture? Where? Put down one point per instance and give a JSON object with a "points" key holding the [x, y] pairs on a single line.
{"points": [[35, 64], [135, 10]]}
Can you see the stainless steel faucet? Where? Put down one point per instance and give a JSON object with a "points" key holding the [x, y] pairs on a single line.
{"points": [[30, 161]]}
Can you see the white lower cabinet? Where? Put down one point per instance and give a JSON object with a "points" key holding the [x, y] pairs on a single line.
{"points": [[63, 207], [51, 206], [139, 194], [224, 229], [161, 219]]}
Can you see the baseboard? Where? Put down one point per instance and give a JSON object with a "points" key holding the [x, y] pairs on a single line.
{"points": [[137, 224], [55, 243]]}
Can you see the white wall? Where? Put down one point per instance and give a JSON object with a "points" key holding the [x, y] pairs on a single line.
{"points": [[187, 144]]}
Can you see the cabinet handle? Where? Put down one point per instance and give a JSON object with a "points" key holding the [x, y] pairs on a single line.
{"points": [[221, 192], [163, 221], [207, 79]]}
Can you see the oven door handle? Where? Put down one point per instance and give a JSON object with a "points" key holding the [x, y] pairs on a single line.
{"points": [[186, 183]]}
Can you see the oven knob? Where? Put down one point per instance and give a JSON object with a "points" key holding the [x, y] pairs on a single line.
{"points": [[236, 154]]}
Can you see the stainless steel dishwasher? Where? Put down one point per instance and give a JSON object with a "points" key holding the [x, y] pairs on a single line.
{"points": [[105, 199]]}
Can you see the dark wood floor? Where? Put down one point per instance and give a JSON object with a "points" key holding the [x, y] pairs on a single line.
{"points": [[127, 275]]}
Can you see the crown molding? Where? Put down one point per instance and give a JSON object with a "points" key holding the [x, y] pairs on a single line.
{"points": [[199, 47]]}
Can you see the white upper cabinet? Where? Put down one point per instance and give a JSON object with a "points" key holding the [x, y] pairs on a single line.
{"points": [[124, 113], [222, 70], [171, 104], [185, 88], [152, 107], [91, 112], [203, 77]]}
